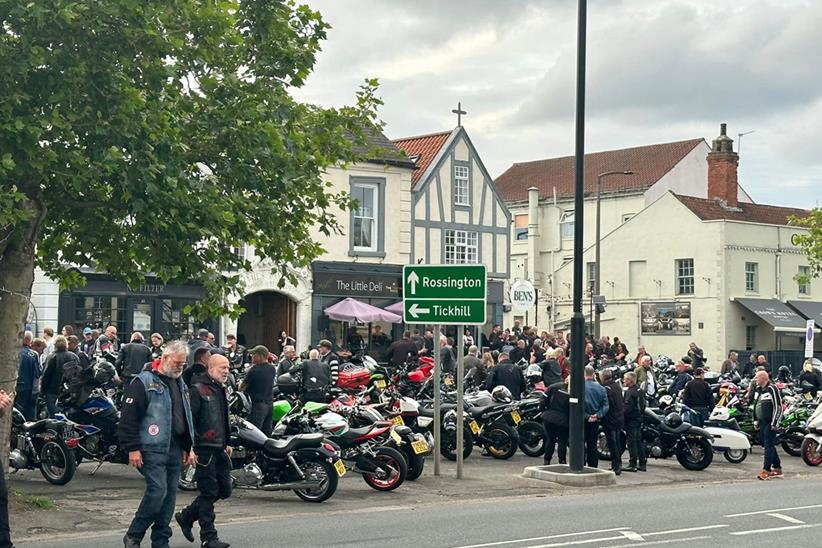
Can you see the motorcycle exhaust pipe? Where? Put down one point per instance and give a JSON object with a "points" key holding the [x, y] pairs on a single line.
{"points": [[366, 465], [291, 485]]}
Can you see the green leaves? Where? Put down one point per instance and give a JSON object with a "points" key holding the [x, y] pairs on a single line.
{"points": [[811, 242]]}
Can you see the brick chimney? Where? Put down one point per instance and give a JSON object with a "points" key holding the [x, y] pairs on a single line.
{"points": [[722, 169]]}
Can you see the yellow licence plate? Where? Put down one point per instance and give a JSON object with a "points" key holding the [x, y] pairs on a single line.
{"points": [[448, 381], [396, 437], [379, 383], [516, 417], [340, 467], [474, 426], [398, 421], [419, 447]]}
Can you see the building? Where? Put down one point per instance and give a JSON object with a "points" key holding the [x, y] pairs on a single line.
{"points": [[540, 196], [716, 270], [458, 217]]}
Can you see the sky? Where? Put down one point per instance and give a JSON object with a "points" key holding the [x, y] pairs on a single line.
{"points": [[657, 71]]}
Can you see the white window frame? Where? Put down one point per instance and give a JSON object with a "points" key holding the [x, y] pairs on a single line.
{"points": [[682, 276], [374, 217], [566, 221], [462, 186], [804, 289], [461, 247], [751, 277]]}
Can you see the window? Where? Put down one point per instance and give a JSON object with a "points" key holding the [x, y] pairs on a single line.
{"points": [[520, 227], [591, 269], [805, 288], [364, 228], [98, 312], [566, 225], [752, 277], [461, 186], [627, 217], [461, 247], [684, 276], [750, 337]]}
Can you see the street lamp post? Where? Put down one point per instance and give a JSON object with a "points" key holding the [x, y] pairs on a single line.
{"points": [[596, 290]]}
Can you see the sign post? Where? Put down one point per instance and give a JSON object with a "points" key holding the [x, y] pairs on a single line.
{"points": [[445, 295], [809, 338]]}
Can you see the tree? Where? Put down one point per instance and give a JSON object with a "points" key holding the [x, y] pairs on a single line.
{"points": [[810, 242], [143, 136]]}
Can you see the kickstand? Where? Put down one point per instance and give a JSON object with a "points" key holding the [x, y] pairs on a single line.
{"points": [[99, 465]]}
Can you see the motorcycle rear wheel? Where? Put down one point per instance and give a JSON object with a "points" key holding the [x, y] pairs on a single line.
{"points": [[322, 469], [735, 456], [695, 454], [57, 463], [394, 459], [810, 452], [448, 444], [416, 463], [503, 441], [531, 438]]}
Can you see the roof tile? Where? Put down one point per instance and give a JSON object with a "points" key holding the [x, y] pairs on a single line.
{"points": [[425, 148], [712, 210]]}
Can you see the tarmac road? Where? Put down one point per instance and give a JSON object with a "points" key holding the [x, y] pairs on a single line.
{"points": [[756, 514]]}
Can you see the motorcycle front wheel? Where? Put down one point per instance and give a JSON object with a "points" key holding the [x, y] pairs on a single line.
{"points": [[394, 460], [57, 463], [695, 453], [502, 442], [792, 445], [448, 444], [735, 456], [323, 471], [811, 453], [531, 438]]}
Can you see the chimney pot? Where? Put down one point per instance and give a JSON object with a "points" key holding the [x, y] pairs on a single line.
{"points": [[723, 129]]}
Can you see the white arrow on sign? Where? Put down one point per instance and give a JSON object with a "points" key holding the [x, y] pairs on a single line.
{"points": [[415, 309], [413, 279]]}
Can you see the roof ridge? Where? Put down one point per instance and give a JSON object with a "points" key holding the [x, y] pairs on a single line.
{"points": [[424, 136], [747, 204], [695, 141]]}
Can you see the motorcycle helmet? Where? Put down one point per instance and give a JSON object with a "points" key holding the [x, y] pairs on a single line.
{"points": [[673, 420], [533, 373], [501, 394], [666, 401], [239, 404], [784, 373]]}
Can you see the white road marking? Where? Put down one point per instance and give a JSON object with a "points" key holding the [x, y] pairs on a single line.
{"points": [[576, 542], [630, 535], [789, 519], [564, 535], [773, 510], [777, 529], [668, 541], [687, 530]]}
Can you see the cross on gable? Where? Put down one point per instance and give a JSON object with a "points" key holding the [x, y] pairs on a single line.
{"points": [[459, 112]]}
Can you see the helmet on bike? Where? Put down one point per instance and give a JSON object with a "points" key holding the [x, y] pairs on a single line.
{"points": [[534, 372], [673, 420], [501, 394], [239, 404], [784, 373], [665, 401]]}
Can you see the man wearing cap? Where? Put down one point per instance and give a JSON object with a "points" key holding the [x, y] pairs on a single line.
{"points": [[682, 377], [87, 346], [259, 386], [330, 358], [699, 397]]}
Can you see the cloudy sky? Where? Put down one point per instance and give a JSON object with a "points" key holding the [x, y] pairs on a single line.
{"points": [[658, 71]]}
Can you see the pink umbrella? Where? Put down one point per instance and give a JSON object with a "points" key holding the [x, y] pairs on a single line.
{"points": [[352, 310], [396, 308]]}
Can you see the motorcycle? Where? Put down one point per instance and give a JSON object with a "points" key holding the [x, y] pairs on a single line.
{"points": [[792, 424], [302, 463], [728, 438], [811, 447], [95, 424], [494, 428], [530, 430], [47, 444], [670, 436]]}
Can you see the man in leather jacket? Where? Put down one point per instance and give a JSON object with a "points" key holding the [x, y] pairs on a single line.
{"points": [[315, 376], [209, 409], [634, 410], [132, 357], [508, 375]]}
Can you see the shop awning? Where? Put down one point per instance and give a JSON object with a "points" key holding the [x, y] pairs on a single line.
{"points": [[352, 310], [776, 313], [810, 309]]}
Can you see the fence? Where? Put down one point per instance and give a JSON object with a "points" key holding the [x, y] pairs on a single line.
{"points": [[777, 358]]}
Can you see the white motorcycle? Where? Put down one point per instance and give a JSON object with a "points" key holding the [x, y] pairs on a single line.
{"points": [[728, 439], [811, 448]]}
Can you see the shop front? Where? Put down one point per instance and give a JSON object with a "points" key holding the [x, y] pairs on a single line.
{"points": [[153, 307]]}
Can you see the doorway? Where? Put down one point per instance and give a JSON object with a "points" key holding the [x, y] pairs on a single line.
{"points": [[266, 314]]}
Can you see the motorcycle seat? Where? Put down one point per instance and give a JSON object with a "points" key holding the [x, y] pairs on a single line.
{"points": [[685, 426], [280, 448], [361, 431], [30, 426], [429, 411], [477, 412]]}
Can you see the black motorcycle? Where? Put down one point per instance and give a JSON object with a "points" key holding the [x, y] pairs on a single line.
{"points": [[666, 436], [530, 429], [300, 463], [494, 427], [47, 444]]}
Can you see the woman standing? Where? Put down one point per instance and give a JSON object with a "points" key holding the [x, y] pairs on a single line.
{"points": [[156, 346], [284, 340]]}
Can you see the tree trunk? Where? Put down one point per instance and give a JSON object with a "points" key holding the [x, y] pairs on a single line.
{"points": [[16, 279]]}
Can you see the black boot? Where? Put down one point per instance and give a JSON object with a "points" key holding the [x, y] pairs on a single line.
{"points": [[215, 543], [184, 527]]}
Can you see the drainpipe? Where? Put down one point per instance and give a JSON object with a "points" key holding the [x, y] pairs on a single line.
{"points": [[554, 252], [778, 264]]}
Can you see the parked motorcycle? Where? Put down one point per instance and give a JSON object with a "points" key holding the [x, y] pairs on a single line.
{"points": [[728, 438], [47, 444], [669, 436], [95, 425], [301, 463], [811, 447]]}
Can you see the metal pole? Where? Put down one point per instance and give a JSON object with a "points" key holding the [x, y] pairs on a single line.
{"points": [[437, 402], [460, 419], [577, 396], [596, 268]]}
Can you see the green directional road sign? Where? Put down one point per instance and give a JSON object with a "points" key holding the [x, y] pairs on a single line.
{"points": [[444, 294]]}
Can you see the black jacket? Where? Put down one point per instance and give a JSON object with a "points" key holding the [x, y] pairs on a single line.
{"points": [[398, 351], [633, 403], [315, 376], [551, 372], [447, 361], [52, 381], [131, 359], [517, 354], [508, 375], [615, 419], [556, 405], [813, 379], [192, 371], [698, 394], [209, 410], [476, 369]]}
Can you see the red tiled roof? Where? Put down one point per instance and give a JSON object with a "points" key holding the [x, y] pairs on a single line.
{"points": [[649, 163], [425, 147], [712, 210]]}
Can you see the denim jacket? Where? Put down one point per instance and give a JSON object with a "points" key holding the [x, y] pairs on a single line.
{"points": [[156, 426]]}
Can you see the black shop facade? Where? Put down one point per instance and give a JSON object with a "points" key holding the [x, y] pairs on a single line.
{"points": [[152, 307]]}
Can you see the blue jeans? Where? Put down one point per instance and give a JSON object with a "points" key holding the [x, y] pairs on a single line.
{"points": [[51, 404], [769, 443], [26, 402], [161, 472]]}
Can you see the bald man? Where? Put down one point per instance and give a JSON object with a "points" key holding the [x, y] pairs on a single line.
{"points": [[767, 406], [209, 409]]}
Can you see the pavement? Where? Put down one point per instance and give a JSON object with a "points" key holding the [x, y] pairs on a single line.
{"points": [[94, 511]]}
